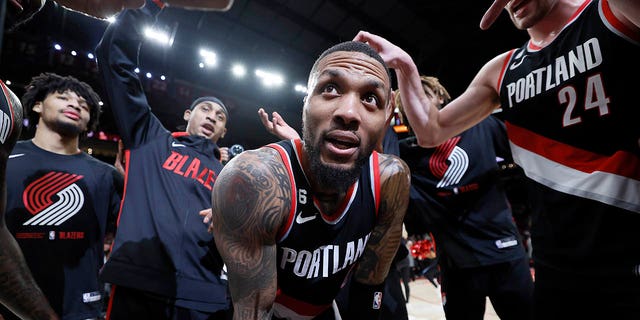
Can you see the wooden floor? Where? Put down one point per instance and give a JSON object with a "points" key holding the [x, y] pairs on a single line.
{"points": [[425, 303]]}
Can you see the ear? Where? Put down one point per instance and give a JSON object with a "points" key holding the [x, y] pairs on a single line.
{"points": [[391, 106], [37, 107], [224, 131], [187, 115]]}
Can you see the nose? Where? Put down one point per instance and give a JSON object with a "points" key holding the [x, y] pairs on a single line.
{"points": [[348, 110], [74, 103]]}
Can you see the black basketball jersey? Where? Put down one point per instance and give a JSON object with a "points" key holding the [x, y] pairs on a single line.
{"points": [[572, 116], [317, 250]]}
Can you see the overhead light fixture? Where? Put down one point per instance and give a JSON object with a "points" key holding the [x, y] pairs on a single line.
{"points": [[238, 70], [269, 79], [158, 36], [57, 46], [300, 88], [210, 58]]}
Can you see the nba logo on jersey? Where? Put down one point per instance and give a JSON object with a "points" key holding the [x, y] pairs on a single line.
{"points": [[377, 300], [52, 235]]}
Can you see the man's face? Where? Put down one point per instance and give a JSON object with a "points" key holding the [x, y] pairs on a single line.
{"points": [[344, 115], [207, 119], [66, 113]]}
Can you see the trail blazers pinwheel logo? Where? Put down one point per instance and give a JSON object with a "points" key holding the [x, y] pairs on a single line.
{"points": [[53, 199], [449, 163]]}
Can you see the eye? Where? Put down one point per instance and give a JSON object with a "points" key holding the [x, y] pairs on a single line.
{"points": [[330, 88], [371, 98]]}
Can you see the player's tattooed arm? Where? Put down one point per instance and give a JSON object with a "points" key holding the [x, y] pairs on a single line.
{"points": [[385, 237], [250, 203]]}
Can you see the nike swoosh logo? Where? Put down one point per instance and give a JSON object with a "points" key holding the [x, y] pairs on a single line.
{"points": [[11, 156], [301, 220], [517, 64], [177, 145]]}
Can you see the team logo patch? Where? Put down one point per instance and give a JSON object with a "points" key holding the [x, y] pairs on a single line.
{"points": [[53, 199]]}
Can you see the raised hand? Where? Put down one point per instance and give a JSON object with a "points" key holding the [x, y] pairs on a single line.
{"points": [[277, 126]]}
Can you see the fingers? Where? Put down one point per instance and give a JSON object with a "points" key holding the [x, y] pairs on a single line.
{"points": [[492, 13], [224, 155], [206, 214], [264, 117], [277, 119]]}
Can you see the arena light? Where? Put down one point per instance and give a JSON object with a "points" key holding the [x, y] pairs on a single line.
{"points": [[162, 77], [210, 58], [57, 46], [238, 70], [158, 36], [7, 82], [300, 88], [136, 70], [149, 75], [74, 53], [269, 79], [90, 55], [100, 103]]}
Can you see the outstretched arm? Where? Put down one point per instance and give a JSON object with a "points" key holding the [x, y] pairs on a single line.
{"points": [[251, 200], [433, 126], [106, 8], [373, 267], [277, 126]]}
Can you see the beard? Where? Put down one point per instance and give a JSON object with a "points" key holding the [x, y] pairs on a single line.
{"points": [[327, 175], [68, 129]]}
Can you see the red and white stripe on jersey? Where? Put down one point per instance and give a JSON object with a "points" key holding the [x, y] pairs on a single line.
{"points": [[615, 25], [614, 179], [294, 200], [375, 179]]}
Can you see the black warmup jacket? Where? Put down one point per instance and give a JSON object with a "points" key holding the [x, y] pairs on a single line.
{"points": [[161, 246]]}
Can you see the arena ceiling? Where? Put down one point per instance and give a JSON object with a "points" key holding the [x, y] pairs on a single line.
{"points": [[284, 36]]}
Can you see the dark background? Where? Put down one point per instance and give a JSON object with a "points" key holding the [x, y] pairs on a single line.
{"points": [[286, 36]]}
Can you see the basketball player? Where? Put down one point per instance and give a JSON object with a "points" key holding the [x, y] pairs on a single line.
{"points": [[293, 219], [60, 200], [571, 120]]}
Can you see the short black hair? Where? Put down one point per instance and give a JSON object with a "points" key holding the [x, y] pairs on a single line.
{"points": [[353, 46], [47, 83]]}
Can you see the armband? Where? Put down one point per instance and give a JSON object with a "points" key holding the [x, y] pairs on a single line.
{"points": [[365, 301]]}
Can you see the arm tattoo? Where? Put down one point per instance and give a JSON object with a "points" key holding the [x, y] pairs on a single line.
{"points": [[385, 237], [250, 203]]}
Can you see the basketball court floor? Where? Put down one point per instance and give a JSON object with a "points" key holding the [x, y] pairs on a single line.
{"points": [[425, 302]]}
